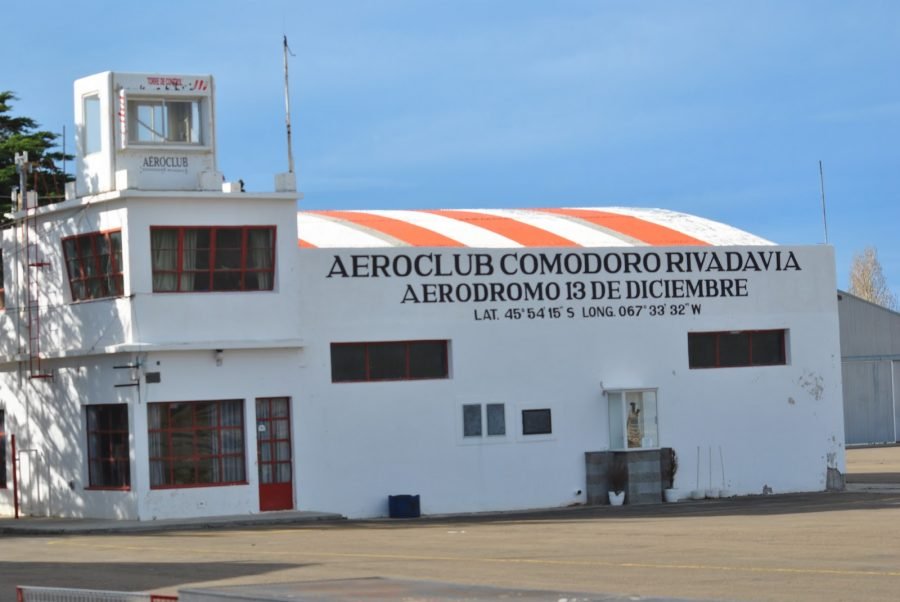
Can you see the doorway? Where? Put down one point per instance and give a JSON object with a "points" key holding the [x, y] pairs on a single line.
{"points": [[273, 453]]}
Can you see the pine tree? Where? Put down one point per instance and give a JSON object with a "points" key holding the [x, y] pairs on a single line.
{"points": [[18, 134], [867, 279]]}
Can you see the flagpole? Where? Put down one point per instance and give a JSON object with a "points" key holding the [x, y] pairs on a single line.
{"points": [[287, 109]]}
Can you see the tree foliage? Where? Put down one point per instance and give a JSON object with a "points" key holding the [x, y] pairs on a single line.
{"points": [[18, 134], [867, 279]]}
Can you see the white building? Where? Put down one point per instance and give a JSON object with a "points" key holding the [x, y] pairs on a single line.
{"points": [[171, 350]]}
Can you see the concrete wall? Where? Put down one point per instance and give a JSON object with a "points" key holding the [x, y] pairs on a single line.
{"points": [[48, 418], [194, 376], [777, 427], [81, 342], [741, 429], [141, 317], [51, 430]]}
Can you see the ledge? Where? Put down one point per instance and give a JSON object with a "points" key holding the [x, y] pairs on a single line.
{"points": [[160, 347], [120, 195]]}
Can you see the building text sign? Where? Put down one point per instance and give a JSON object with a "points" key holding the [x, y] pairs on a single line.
{"points": [[647, 281]]}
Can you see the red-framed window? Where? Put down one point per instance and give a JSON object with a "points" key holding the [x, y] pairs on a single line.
{"points": [[212, 258], [196, 443], [2, 449], [391, 360], [94, 265], [732, 349], [2, 284], [109, 465]]}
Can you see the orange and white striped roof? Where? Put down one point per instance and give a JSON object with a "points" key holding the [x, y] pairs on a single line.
{"points": [[509, 228]]}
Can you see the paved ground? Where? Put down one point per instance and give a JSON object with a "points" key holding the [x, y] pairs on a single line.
{"points": [[874, 465], [815, 547]]}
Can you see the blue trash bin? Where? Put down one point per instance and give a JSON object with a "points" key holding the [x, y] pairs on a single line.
{"points": [[403, 506]]}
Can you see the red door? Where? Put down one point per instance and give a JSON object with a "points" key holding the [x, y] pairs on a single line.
{"points": [[273, 453]]}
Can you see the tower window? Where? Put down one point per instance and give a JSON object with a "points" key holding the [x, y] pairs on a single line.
{"points": [[91, 124], [164, 121]]}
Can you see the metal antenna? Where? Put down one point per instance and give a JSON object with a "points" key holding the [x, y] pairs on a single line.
{"points": [[287, 107], [824, 213]]}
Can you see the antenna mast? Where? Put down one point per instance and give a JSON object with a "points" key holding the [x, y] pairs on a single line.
{"points": [[822, 186], [287, 107]]}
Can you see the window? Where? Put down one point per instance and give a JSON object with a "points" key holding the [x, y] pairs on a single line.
{"points": [[206, 259], [2, 449], [164, 121], [536, 422], [91, 124], [94, 265], [632, 419], [197, 443], [397, 360], [108, 457], [476, 414], [736, 348]]}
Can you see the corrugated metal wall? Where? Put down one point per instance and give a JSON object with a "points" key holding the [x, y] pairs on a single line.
{"points": [[868, 402], [870, 360]]}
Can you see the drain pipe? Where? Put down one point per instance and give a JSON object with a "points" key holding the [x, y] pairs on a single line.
{"points": [[15, 477]]}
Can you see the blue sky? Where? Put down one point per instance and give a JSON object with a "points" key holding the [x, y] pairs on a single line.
{"points": [[718, 108]]}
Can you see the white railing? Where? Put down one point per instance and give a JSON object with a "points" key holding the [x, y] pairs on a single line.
{"points": [[28, 593]]}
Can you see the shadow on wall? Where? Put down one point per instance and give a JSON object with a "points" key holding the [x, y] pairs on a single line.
{"points": [[46, 415], [51, 440]]}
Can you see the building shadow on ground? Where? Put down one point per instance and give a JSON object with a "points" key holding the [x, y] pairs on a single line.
{"points": [[125, 576]]}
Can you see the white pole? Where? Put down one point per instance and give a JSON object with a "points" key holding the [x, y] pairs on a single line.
{"points": [[824, 215], [287, 109], [698, 467], [722, 464]]}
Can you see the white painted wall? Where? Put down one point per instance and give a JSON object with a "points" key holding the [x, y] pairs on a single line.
{"points": [[82, 341], [194, 376], [357, 443], [164, 318], [51, 421], [47, 416], [775, 426]]}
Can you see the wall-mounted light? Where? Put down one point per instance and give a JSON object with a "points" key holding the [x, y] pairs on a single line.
{"points": [[219, 355]]}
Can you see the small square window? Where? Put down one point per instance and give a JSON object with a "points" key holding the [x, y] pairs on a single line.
{"points": [[536, 422], [496, 419], [472, 420]]}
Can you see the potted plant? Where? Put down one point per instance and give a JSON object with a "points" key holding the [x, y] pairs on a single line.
{"points": [[618, 479], [670, 467]]}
